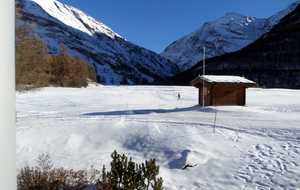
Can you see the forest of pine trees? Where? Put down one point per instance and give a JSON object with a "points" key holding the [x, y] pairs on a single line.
{"points": [[35, 68]]}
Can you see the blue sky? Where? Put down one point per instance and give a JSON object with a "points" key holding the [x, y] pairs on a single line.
{"points": [[155, 24]]}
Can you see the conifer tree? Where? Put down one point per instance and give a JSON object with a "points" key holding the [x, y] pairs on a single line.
{"points": [[34, 67], [66, 62], [82, 70], [64, 68], [126, 174], [92, 73], [32, 59]]}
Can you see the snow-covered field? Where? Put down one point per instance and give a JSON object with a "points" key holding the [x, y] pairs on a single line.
{"points": [[254, 147]]}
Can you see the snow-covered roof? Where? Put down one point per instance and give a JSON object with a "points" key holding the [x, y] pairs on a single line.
{"points": [[222, 79], [226, 79]]}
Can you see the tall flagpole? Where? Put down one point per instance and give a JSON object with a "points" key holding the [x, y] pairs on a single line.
{"points": [[203, 74]]}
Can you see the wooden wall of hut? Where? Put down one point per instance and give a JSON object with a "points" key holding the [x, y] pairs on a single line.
{"points": [[222, 95]]}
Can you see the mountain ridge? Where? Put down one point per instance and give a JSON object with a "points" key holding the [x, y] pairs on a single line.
{"points": [[115, 59], [229, 33], [272, 61]]}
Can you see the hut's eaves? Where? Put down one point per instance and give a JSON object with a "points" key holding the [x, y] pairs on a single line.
{"points": [[224, 80]]}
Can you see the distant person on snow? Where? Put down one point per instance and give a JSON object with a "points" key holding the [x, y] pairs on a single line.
{"points": [[178, 96]]}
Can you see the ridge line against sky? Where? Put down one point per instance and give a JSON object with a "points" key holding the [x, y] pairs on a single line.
{"points": [[155, 24]]}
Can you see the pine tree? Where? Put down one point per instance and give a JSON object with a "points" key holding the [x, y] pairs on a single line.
{"points": [[125, 174]]}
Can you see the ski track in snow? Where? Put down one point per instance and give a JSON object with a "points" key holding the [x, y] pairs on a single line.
{"points": [[254, 147]]}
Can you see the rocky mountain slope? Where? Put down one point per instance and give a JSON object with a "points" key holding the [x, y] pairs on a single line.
{"points": [[230, 33], [273, 60], [115, 59]]}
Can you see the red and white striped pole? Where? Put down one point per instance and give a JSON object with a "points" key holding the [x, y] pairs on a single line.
{"points": [[8, 177]]}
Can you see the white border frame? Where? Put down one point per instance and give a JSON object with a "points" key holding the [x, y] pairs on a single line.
{"points": [[8, 176]]}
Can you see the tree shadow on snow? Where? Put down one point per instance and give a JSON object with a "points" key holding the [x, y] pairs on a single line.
{"points": [[152, 111]]}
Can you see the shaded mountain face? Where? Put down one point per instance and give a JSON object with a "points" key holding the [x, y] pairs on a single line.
{"points": [[273, 60], [115, 59], [230, 33]]}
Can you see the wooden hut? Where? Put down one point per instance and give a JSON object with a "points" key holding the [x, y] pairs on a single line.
{"points": [[222, 90]]}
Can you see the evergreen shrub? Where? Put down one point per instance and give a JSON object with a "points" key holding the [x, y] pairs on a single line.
{"points": [[124, 175]]}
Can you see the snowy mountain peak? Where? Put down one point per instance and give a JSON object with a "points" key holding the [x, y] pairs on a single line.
{"points": [[229, 33], [235, 18], [70, 16], [273, 20], [115, 59]]}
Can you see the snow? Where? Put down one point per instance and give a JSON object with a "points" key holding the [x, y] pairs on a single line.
{"points": [[254, 147], [71, 17], [115, 59], [229, 33], [225, 79], [274, 19]]}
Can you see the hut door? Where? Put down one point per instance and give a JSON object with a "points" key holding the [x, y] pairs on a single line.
{"points": [[207, 94]]}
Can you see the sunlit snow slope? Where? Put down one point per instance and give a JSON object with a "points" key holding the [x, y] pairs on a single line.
{"points": [[116, 60]]}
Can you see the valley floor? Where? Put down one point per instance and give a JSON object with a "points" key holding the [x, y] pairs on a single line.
{"points": [[254, 147]]}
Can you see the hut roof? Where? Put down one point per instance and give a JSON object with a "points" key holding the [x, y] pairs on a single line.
{"points": [[223, 80]]}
